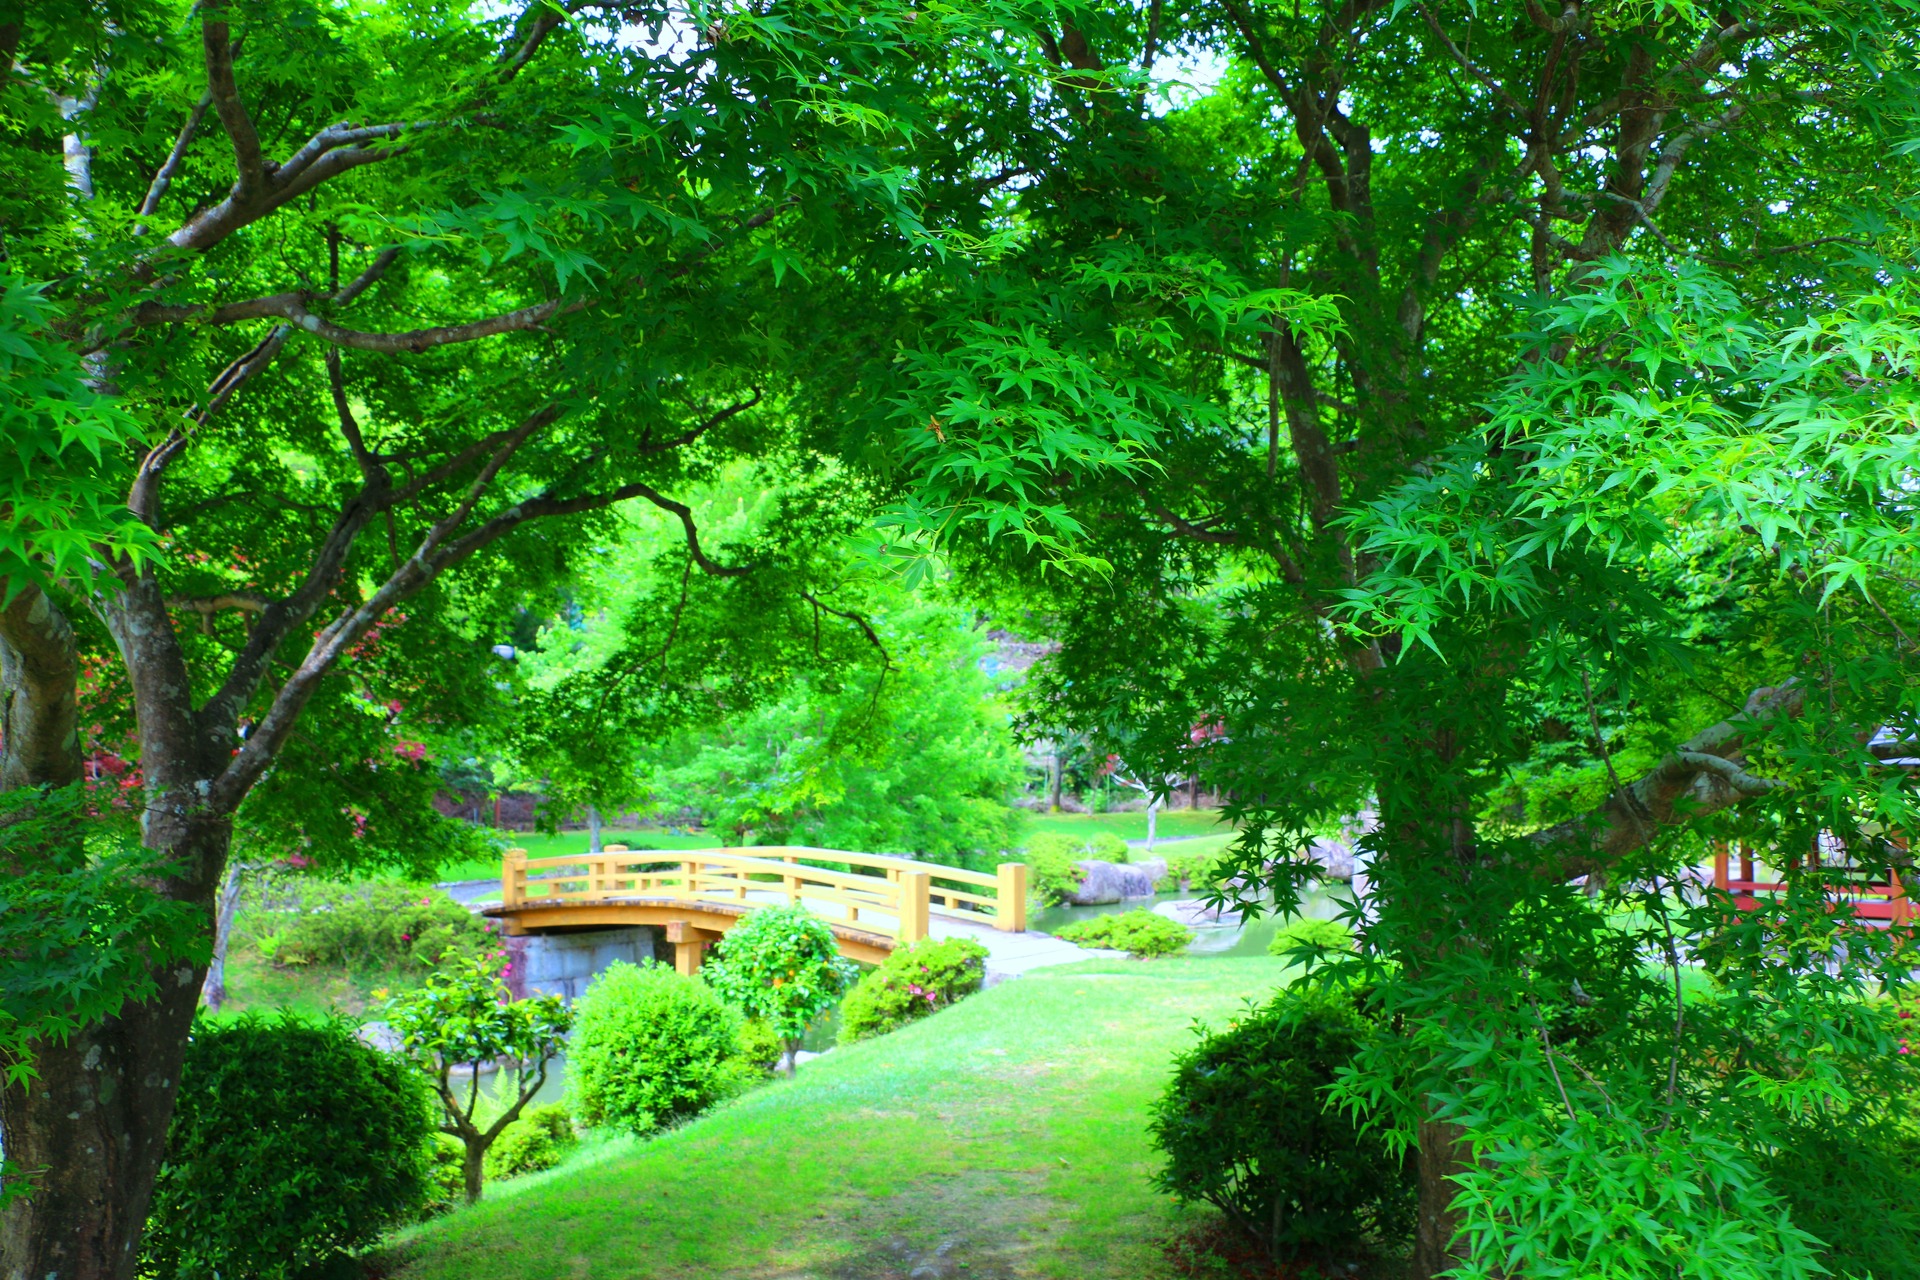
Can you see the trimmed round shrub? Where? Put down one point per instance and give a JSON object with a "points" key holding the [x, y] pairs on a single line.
{"points": [[912, 983], [1142, 934], [650, 1047], [292, 1143], [1245, 1126], [539, 1139], [1050, 859], [1305, 931]]}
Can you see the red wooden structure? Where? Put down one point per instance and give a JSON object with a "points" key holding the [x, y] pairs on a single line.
{"points": [[1877, 904]]}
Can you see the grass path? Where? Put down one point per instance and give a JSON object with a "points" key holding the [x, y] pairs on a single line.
{"points": [[1010, 1128]]}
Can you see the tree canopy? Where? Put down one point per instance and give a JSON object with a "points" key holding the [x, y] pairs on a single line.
{"points": [[1496, 415]]}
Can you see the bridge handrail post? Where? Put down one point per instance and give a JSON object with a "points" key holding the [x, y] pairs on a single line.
{"points": [[513, 877], [1010, 914], [792, 882], [913, 906]]}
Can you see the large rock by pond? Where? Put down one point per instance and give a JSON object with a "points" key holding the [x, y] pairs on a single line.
{"points": [[1195, 913], [1104, 882], [1337, 857]]}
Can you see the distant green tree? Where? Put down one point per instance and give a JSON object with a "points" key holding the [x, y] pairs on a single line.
{"points": [[913, 755]]}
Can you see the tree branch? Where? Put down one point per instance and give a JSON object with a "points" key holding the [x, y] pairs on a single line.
{"points": [[660, 500], [143, 497], [163, 179], [688, 437], [1701, 776], [360, 283], [225, 95], [292, 307]]}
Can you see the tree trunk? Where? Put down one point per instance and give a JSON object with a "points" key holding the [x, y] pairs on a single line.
{"points": [[593, 829], [473, 1167], [39, 704], [1153, 814], [214, 992], [1053, 782], [1442, 1154], [91, 1132]]}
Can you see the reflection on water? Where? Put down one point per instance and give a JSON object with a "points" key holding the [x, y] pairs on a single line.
{"points": [[1230, 937], [502, 1086]]}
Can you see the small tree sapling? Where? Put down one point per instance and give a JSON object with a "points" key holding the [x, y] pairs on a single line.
{"points": [[464, 1016]]}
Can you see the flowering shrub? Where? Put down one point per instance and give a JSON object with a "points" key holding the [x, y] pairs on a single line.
{"points": [[912, 983], [781, 964], [1140, 933]]}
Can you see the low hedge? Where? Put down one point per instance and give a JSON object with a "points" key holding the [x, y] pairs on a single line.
{"points": [[1140, 933], [371, 928], [912, 983]]}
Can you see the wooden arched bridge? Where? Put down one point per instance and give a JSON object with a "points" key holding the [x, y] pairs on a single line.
{"points": [[872, 902]]}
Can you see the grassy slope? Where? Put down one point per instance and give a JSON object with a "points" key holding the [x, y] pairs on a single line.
{"points": [[1013, 1123]]}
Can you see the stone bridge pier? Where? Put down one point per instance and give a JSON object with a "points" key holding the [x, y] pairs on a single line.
{"points": [[562, 963]]}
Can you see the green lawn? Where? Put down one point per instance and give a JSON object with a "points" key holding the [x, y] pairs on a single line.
{"points": [[1130, 826], [1013, 1123]]}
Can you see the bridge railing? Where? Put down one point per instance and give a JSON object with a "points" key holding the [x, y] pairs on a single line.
{"points": [[896, 903], [1872, 902]]}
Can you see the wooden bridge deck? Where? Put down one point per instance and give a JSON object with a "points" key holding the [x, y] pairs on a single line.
{"points": [[872, 906]]}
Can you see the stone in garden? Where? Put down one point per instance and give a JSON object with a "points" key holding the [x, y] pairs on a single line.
{"points": [[1336, 856], [1103, 882], [1195, 913]]}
